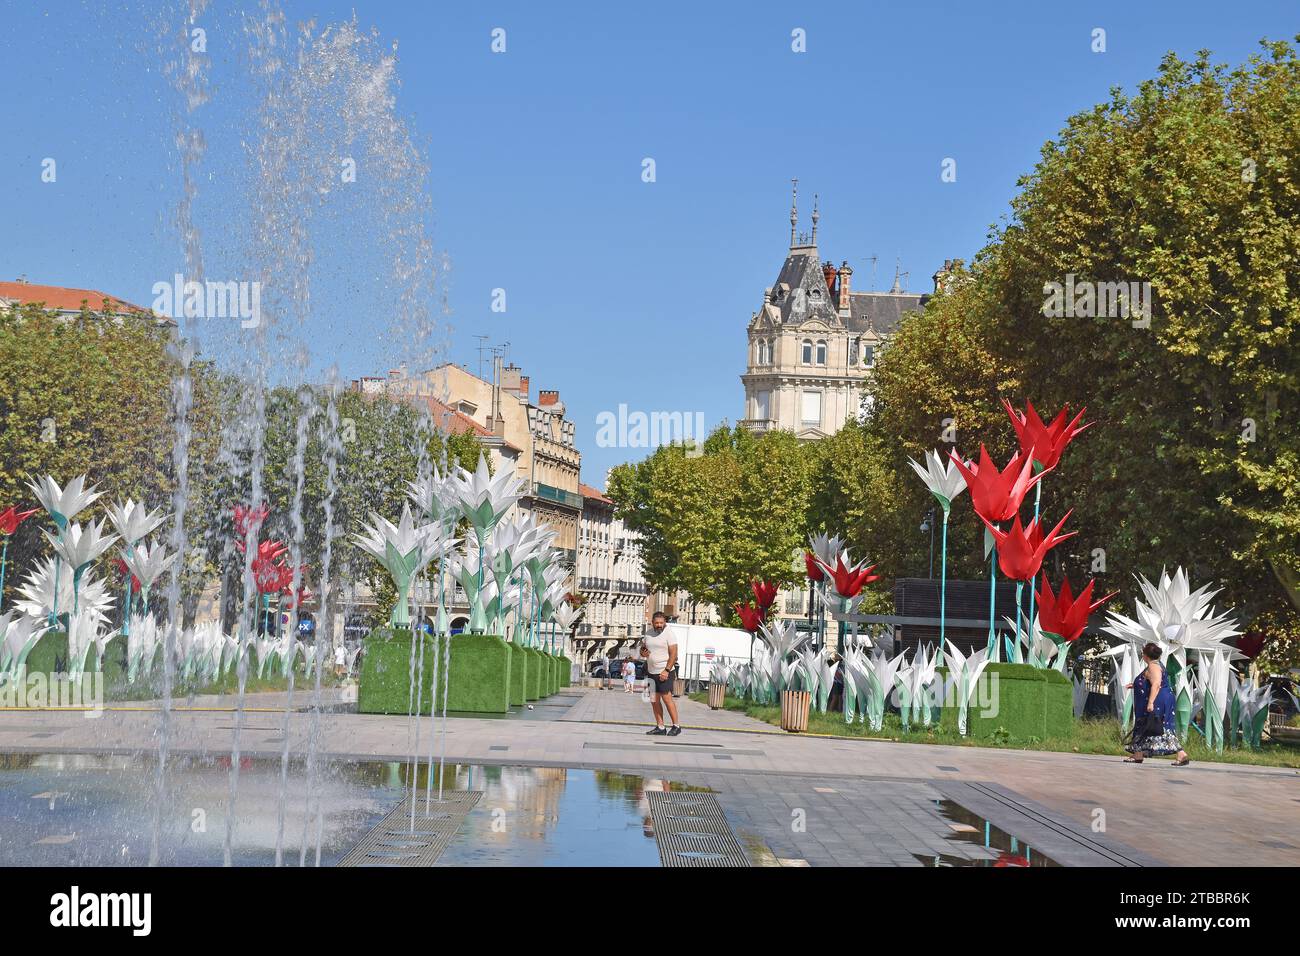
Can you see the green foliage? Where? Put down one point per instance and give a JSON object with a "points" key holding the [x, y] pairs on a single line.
{"points": [[714, 522], [1191, 184], [94, 395]]}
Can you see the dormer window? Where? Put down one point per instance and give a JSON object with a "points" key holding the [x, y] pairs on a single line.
{"points": [[821, 351], [807, 352]]}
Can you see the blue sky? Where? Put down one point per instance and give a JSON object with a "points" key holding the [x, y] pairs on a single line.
{"points": [[617, 290]]}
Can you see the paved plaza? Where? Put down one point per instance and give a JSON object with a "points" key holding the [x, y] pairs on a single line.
{"points": [[791, 800]]}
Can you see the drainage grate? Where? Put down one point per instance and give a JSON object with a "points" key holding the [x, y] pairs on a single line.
{"points": [[691, 830], [393, 843]]}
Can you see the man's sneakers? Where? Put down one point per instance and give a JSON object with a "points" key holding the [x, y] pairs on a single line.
{"points": [[657, 732], [675, 731]]}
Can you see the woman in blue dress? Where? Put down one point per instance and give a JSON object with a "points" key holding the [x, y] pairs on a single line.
{"points": [[1153, 695]]}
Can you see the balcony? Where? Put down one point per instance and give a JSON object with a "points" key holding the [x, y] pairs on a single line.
{"points": [[758, 425], [558, 495]]}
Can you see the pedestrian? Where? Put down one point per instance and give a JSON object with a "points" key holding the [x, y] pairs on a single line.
{"points": [[660, 651], [1155, 730], [629, 675], [340, 661]]}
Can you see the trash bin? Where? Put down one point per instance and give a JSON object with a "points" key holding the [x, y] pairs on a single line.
{"points": [[794, 710], [717, 694]]}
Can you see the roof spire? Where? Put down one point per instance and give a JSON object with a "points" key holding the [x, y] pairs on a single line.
{"points": [[815, 216], [794, 209]]}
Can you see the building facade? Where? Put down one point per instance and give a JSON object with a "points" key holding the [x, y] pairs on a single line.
{"points": [[616, 599], [535, 440], [814, 340]]}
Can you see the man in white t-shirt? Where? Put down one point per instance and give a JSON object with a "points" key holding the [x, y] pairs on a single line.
{"points": [[659, 648]]}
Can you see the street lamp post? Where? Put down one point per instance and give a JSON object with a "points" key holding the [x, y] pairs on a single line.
{"points": [[927, 524]]}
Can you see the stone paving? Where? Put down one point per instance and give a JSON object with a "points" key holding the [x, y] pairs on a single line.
{"points": [[865, 801]]}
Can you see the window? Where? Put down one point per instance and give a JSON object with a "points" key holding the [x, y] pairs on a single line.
{"points": [[853, 350], [762, 405], [869, 355], [807, 351], [811, 410], [821, 352]]}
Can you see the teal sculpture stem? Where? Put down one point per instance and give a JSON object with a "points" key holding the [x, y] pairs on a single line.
{"points": [[943, 580], [993, 583], [54, 609], [1020, 589], [1038, 494], [519, 613]]}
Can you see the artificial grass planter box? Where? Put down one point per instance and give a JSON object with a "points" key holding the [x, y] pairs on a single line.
{"points": [[1032, 702], [566, 670], [533, 688], [518, 675], [552, 673], [478, 682]]}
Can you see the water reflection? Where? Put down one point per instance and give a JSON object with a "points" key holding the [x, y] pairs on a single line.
{"points": [[1004, 850], [91, 810]]}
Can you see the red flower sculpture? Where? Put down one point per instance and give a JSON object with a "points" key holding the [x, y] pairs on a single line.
{"points": [[11, 518], [750, 617], [272, 577], [848, 581], [1062, 614], [304, 593], [1043, 444], [764, 594], [249, 518], [997, 495], [121, 568], [270, 550], [815, 572], [1021, 550]]}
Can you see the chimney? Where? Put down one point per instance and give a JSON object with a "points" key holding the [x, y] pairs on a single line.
{"points": [[547, 397], [940, 277], [829, 274], [845, 275]]}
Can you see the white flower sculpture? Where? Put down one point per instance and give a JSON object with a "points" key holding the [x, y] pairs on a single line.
{"points": [[810, 664], [1178, 620], [1215, 678], [825, 548], [147, 563], [403, 549], [484, 500], [1127, 666], [134, 522], [781, 640], [80, 547], [881, 670], [827, 668], [915, 687], [142, 643], [49, 585], [942, 477], [963, 675], [85, 632], [18, 635], [1253, 703], [63, 504], [1079, 696]]}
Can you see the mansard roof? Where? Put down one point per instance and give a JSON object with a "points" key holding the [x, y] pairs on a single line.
{"points": [[880, 312], [803, 270]]}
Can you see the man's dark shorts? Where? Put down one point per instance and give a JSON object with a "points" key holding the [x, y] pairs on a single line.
{"points": [[663, 686]]}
